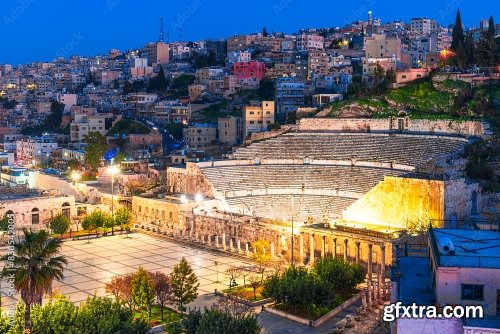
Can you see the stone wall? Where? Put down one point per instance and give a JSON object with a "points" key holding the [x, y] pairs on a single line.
{"points": [[47, 206], [399, 202], [190, 181], [459, 199], [404, 124], [50, 182]]}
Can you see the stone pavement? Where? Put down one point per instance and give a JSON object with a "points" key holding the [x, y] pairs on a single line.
{"points": [[92, 264]]}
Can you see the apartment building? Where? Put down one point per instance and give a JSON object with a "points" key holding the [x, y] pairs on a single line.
{"points": [[249, 74], [240, 42], [380, 46], [289, 96], [157, 53], [465, 268], [258, 116], [230, 130], [200, 135], [423, 25], [35, 150], [309, 41], [83, 123]]}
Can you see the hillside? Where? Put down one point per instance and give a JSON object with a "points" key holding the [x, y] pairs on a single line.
{"points": [[424, 99], [126, 127]]}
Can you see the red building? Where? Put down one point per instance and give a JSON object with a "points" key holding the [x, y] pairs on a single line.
{"points": [[249, 70]]}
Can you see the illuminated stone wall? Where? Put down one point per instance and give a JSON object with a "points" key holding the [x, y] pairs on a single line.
{"points": [[464, 128], [190, 181], [399, 202]]}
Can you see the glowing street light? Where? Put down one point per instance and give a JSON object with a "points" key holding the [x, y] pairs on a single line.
{"points": [[198, 197], [75, 176], [183, 199], [113, 170]]}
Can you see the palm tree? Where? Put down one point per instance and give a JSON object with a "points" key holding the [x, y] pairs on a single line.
{"points": [[34, 265]]}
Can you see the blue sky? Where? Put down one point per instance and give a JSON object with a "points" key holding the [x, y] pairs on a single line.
{"points": [[39, 30]]}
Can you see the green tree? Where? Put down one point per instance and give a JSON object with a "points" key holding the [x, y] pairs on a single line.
{"points": [[105, 316], [338, 274], [487, 51], [74, 164], [162, 289], [457, 33], [184, 284], [261, 255], [378, 74], [37, 264], [143, 293], [220, 321], [59, 224], [96, 146], [4, 223], [123, 217], [264, 32], [57, 316], [127, 87], [94, 220]]}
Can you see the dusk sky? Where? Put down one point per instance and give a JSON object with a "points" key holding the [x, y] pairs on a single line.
{"points": [[39, 30]]}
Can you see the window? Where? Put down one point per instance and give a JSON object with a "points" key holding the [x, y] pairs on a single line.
{"points": [[252, 122], [66, 210], [35, 216], [472, 292], [403, 76]]}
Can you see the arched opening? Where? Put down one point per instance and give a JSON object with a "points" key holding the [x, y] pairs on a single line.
{"points": [[474, 203], [66, 210], [35, 216], [453, 220]]}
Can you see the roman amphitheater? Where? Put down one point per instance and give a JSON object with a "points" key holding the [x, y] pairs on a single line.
{"points": [[346, 187]]}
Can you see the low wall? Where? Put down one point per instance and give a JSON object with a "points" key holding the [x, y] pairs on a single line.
{"points": [[403, 124], [323, 319]]}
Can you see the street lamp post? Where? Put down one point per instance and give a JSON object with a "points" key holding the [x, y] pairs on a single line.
{"points": [[292, 230], [113, 170]]}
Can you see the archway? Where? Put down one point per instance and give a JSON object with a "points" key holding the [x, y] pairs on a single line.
{"points": [[35, 216]]}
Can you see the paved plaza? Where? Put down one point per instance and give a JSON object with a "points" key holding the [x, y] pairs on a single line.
{"points": [[92, 265]]}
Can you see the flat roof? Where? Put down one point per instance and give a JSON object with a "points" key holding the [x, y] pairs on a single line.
{"points": [[473, 248]]}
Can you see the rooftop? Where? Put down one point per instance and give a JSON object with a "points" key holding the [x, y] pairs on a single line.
{"points": [[471, 248]]}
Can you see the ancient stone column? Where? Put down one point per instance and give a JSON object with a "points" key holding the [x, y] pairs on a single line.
{"points": [[345, 250], [311, 249], [272, 250], [238, 246], [323, 247], [208, 239], [369, 283], [301, 248], [216, 241], [382, 269], [231, 248], [358, 252], [224, 241], [196, 236], [334, 247], [247, 251]]}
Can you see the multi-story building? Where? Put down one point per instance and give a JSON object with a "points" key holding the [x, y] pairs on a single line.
{"points": [[289, 96], [230, 130], [204, 75], [371, 64], [380, 46], [249, 74], [423, 25], [139, 68], [35, 151], [83, 123], [309, 41], [317, 63], [258, 116], [157, 53], [465, 268], [237, 56], [69, 100], [166, 112], [200, 136], [240, 42]]}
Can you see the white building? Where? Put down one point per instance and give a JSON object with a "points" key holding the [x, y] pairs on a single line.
{"points": [[34, 151], [69, 100], [309, 41], [465, 267]]}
